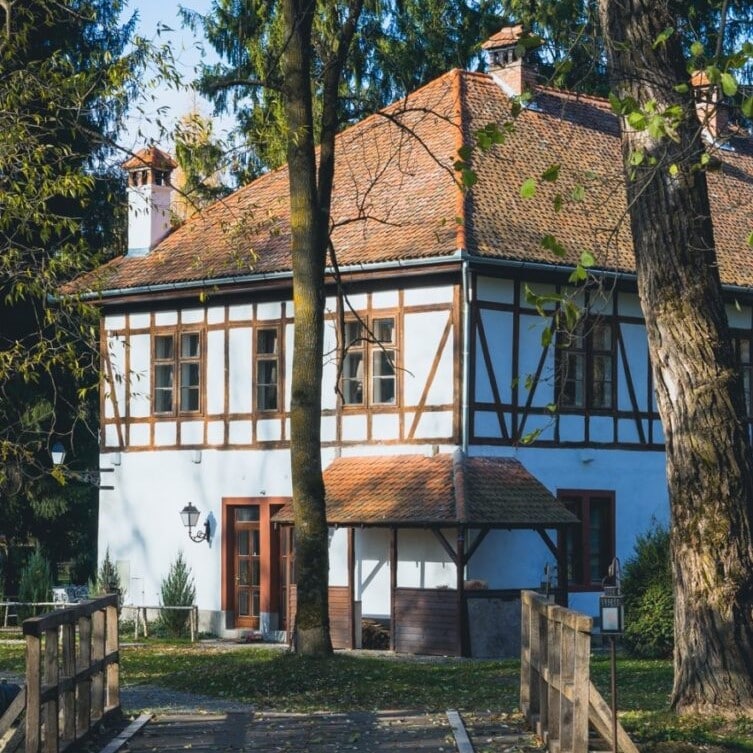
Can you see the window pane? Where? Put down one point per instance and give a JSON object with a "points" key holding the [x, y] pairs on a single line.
{"points": [[602, 336], [246, 514], [384, 330], [266, 341], [354, 334], [189, 345], [243, 572], [572, 386], [242, 543], [602, 382], [255, 603], [353, 379], [189, 389], [599, 538], [163, 401], [163, 376], [384, 377], [243, 602], [266, 397], [163, 346]]}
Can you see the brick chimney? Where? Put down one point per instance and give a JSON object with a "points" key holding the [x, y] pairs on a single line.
{"points": [[503, 63], [149, 192], [711, 111]]}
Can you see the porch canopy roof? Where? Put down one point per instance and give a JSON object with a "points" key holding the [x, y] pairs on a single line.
{"points": [[436, 491]]}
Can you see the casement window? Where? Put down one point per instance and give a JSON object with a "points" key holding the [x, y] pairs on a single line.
{"points": [[586, 366], [741, 345], [368, 373], [267, 370], [177, 373], [590, 545]]}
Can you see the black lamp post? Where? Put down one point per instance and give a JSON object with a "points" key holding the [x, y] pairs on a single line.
{"points": [[612, 614], [190, 517]]}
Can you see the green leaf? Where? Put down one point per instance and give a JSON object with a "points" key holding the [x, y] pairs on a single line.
{"points": [[551, 173], [587, 259], [558, 201], [464, 153], [729, 84], [750, 240], [682, 88], [579, 193], [637, 120], [546, 338], [697, 49], [528, 189], [550, 243], [746, 106], [663, 37], [636, 158], [579, 274]]}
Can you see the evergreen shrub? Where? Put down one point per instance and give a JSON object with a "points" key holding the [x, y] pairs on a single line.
{"points": [[176, 590], [108, 579], [35, 584], [649, 601]]}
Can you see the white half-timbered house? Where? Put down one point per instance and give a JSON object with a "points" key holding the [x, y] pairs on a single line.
{"points": [[440, 509]]}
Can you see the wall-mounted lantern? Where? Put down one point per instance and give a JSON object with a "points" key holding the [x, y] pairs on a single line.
{"points": [[190, 517], [94, 478]]}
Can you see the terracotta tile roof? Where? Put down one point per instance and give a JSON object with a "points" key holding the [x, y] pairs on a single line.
{"points": [[416, 490], [150, 156], [505, 36], [396, 196]]}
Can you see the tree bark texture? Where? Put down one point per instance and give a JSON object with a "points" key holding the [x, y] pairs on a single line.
{"points": [[309, 245], [698, 390]]}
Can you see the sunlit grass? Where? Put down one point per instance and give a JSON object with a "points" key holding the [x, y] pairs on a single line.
{"points": [[277, 680]]}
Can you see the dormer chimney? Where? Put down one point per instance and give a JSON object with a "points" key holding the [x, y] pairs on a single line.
{"points": [[504, 64], [711, 111], [149, 193]]}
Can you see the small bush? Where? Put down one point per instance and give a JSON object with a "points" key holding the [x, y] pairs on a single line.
{"points": [[177, 590], [649, 601], [35, 584], [108, 579]]}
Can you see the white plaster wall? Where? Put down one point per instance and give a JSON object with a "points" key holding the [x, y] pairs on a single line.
{"points": [[338, 556], [421, 337], [239, 366], [139, 520], [516, 559], [373, 571], [140, 377], [531, 329], [422, 561]]}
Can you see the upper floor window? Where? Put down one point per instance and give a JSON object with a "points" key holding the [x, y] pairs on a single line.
{"points": [[267, 369], [586, 365], [590, 546], [369, 374], [177, 373]]}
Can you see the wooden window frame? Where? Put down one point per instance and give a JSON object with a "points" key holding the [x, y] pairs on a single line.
{"points": [[370, 349], [589, 354], [260, 358], [580, 501], [176, 362]]}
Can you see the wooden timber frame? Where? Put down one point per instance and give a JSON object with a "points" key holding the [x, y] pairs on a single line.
{"points": [[72, 676], [556, 693]]}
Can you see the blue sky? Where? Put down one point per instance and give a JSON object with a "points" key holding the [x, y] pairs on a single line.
{"points": [[184, 47]]}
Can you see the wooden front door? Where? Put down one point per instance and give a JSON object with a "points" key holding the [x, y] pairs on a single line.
{"points": [[247, 566]]}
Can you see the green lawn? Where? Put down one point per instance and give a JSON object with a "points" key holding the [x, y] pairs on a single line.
{"points": [[277, 680]]}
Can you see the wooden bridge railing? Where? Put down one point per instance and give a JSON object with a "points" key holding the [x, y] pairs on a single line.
{"points": [[72, 674], [556, 693]]}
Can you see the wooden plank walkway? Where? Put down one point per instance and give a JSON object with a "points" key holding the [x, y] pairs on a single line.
{"points": [[268, 732], [365, 732]]}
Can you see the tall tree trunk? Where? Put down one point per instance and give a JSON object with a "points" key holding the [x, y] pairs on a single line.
{"points": [[309, 246], [699, 394]]}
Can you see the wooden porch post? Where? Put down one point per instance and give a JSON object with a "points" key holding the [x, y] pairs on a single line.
{"points": [[562, 597], [352, 585], [462, 616], [393, 586]]}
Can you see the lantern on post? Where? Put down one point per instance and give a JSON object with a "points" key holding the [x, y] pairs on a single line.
{"points": [[612, 614], [611, 603]]}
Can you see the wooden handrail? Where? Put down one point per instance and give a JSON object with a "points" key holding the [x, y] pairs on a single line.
{"points": [[72, 672], [556, 693]]}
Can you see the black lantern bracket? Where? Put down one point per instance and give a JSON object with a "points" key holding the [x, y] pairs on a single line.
{"points": [[190, 517]]}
